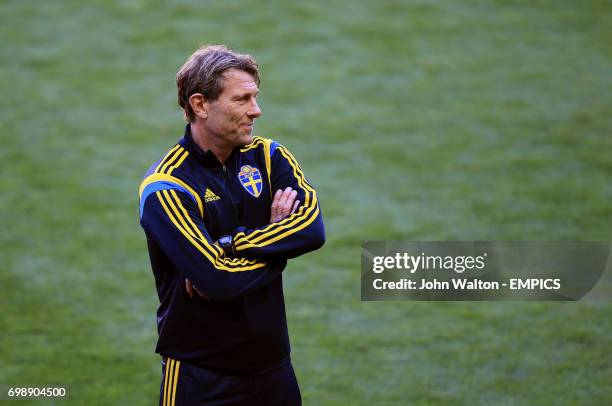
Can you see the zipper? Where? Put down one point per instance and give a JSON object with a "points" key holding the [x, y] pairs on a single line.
{"points": [[236, 205]]}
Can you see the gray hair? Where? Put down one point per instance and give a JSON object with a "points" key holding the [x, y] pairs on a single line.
{"points": [[203, 73]]}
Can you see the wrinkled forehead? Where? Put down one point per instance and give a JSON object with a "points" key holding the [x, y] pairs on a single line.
{"points": [[238, 81]]}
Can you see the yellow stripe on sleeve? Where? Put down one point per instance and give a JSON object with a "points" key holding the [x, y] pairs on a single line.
{"points": [[290, 230], [184, 217], [169, 178], [203, 249], [180, 218], [211, 248], [195, 230]]}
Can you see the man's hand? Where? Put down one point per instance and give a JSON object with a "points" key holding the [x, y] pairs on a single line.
{"points": [[284, 203], [190, 288]]}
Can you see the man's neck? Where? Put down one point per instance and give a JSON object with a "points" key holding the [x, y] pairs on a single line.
{"points": [[207, 142]]}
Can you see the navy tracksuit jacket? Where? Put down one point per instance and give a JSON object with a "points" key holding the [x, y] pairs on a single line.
{"points": [[187, 201]]}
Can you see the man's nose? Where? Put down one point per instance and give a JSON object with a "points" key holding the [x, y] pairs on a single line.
{"points": [[254, 110]]}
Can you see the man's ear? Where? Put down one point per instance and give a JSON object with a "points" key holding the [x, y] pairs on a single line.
{"points": [[198, 105]]}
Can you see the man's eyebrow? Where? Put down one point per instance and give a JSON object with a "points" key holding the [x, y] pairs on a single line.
{"points": [[245, 94]]}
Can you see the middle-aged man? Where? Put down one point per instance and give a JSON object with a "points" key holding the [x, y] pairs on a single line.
{"points": [[222, 212]]}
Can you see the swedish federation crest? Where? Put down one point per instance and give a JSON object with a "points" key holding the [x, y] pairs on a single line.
{"points": [[250, 178]]}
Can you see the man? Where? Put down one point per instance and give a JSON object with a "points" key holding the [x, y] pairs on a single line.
{"points": [[222, 212]]}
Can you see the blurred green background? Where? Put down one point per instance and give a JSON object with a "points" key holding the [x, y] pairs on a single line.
{"points": [[420, 120]]}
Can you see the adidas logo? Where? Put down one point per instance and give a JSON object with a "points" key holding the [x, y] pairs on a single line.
{"points": [[210, 196]]}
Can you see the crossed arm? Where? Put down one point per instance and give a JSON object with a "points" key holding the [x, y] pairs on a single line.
{"points": [[283, 204], [171, 213]]}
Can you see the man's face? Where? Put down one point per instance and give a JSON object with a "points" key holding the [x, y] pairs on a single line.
{"points": [[230, 118]]}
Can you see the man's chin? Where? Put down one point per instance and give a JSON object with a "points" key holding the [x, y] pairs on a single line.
{"points": [[245, 139]]}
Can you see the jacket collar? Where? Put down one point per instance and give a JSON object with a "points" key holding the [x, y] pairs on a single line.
{"points": [[206, 158]]}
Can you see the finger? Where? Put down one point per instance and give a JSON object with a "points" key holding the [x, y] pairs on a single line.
{"points": [[295, 206], [289, 203], [284, 197], [277, 196], [189, 288], [276, 202], [274, 207]]}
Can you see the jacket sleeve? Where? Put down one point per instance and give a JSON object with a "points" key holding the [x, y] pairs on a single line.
{"points": [[171, 213], [302, 231]]}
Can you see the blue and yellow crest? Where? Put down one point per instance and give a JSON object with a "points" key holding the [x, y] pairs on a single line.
{"points": [[250, 178]]}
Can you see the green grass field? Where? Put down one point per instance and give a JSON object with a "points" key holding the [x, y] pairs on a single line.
{"points": [[422, 120]]}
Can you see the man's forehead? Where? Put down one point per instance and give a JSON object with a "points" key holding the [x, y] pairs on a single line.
{"points": [[238, 80]]}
